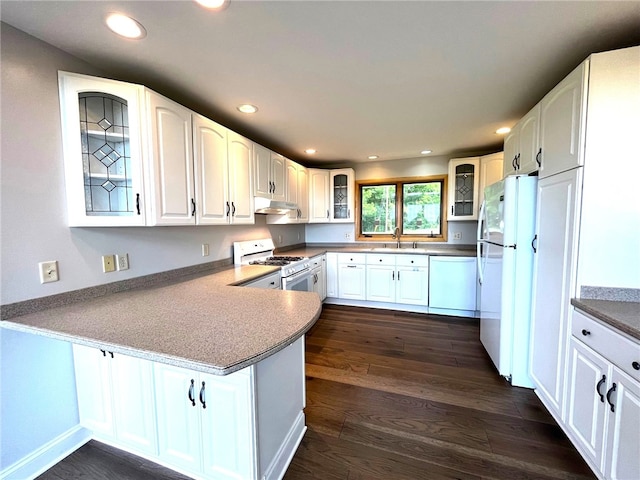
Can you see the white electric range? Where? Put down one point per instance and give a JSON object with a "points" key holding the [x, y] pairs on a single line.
{"points": [[295, 272]]}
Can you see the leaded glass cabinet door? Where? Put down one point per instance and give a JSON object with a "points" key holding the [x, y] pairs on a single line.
{"points": [[342, 195], [463, 188], [102, 145]]}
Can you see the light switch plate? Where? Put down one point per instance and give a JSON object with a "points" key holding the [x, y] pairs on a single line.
{"points": [[48, 271]]}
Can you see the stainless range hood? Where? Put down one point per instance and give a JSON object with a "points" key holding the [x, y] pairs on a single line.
{"points": [[273, 207]]}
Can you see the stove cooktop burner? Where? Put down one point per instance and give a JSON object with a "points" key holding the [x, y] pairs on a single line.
{"points": [[276, 261]]}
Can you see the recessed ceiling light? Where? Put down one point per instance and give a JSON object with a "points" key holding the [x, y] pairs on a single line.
{"points": [[310, 151], [425, 152], [213, 4], [372, 157], [503, 130], [125, 26], [247, 108]]}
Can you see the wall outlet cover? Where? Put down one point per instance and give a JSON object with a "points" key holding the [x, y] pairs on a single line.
{"points": [[122, 261], [108, 263], [205, 249]]}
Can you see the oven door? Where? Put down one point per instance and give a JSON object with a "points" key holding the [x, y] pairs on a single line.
{"points": [[301, 282]]}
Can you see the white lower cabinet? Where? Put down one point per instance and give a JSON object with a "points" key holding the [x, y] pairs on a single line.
{"points": [[603, 398], [331, 259], [245, 425], [352, 276], [116, 398], [271, 281], [400, 279], [205, 422], [452, 283], [319, 272]]}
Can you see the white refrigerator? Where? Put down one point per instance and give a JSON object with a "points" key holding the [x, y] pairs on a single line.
{"points": [[505, 250]]}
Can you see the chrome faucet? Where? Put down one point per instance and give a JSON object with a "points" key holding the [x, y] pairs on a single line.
{"points": [[396, 235]]}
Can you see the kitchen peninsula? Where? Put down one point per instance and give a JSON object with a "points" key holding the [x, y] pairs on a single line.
{"points": [[201, 368]]}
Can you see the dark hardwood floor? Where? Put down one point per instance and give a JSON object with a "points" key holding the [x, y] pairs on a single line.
{"points": [[392, 395], [396, 396]]}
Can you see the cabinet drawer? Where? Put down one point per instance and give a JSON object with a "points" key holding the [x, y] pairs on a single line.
{"points": [[616, 348], [412, 260], [359, 258], [381, 259]]}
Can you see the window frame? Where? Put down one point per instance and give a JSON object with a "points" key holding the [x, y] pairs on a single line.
{"points": [[399, 183]]}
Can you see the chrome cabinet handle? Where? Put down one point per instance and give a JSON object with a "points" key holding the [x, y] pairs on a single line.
{"points": [[600, 383], [192, 399]]}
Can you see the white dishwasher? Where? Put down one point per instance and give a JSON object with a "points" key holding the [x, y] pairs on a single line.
{"points": [[452, 283]]}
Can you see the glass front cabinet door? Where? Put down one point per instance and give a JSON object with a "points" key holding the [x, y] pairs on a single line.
{"points": [[342, 195], [103, 155], [463, 187]]}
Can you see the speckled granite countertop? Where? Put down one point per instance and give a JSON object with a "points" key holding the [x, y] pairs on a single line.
{"points": [[203, 323], [624, 316]]}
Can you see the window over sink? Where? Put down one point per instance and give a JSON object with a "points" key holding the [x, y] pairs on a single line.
{"points": [[411, 206]]}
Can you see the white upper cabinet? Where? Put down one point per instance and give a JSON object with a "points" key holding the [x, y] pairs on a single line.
{"points": [[270, 173], [240, 180], [171, 162], [103, 152], [490, 172], [136, 158], [342, 195], [318, 195], [521, 145], [212, 171], [562, 117], [463, 186], [297, 193]]}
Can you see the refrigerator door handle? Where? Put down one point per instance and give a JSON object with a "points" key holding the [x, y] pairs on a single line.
{"points": [[479, 260], [480, 221]]}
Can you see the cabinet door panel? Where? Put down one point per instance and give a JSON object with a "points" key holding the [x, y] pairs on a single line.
{"points": [[589, 373], [351, 281], [93, 380], [332, 274], [623, 448], [278, 178], [529, 145], [240, 179], [318, 196], [172, 161], [262, 171], [179, 435], [381, 283], [553, 284], [227, 426], [134, 403], [511, 150], [210, 160], [412, 285], [561, 124]]}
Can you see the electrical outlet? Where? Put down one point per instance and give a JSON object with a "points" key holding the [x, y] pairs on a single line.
{"points": [[205, 249], [122, 261], [347, 236], [279, 239], [108, 263], [48, 271], [457, 235]]}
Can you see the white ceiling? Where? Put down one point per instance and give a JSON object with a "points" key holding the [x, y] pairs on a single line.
{"points": [[349, 78]]}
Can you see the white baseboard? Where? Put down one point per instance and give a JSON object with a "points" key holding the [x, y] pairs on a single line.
{"points": [[45, 457], [282, 459], [402, 307]]}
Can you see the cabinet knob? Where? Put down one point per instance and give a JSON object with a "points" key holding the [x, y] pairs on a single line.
{"points": [[380, 260], [586, 332], [636, 365]]}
